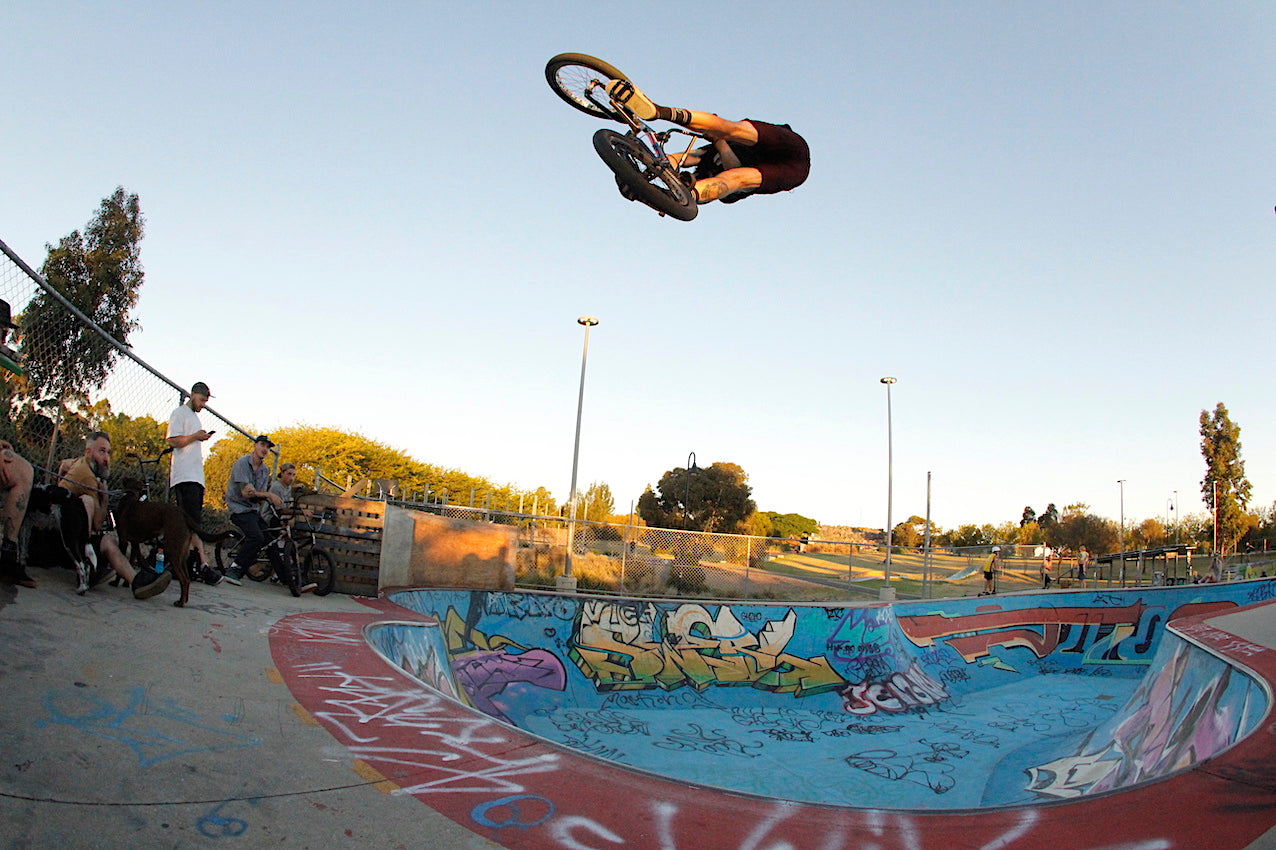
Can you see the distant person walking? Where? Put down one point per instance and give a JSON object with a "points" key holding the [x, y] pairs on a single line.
{"points": [[990, 571], [1083, 564]]}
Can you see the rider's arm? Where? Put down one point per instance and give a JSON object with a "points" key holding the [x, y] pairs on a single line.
{"points": [[248, 491]]}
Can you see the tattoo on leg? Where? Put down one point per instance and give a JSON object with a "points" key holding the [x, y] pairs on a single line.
{"points": [[711, 189]]}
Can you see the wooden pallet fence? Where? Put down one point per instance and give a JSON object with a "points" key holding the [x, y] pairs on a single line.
{"points": [[352, 534]]}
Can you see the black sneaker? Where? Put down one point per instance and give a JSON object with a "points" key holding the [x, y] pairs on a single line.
{"points": [[148, 583], [11, 572], [210, 576]]}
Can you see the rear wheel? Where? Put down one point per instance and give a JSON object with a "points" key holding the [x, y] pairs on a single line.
{"points": [[321, 569], [572, 75], [291, 568], [653, 181]]}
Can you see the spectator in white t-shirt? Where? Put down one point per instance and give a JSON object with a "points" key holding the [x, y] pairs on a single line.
{"points": [[186, 435]]}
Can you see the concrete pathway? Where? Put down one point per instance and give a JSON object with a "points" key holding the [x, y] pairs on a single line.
{"points": [[138, 724]]}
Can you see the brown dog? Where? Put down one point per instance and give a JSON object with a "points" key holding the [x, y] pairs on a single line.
{"points": [[138, 521]]}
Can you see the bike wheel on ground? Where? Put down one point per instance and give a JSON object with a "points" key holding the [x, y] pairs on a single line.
{"points": [[654, 182], [292, 570], [320, 568], [570, 75], [226, 549]]}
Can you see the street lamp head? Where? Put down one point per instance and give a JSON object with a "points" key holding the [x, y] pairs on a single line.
{"points": [[587, 321], [888, 380]]}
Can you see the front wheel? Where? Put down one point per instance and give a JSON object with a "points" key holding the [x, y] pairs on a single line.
{"points": [[654, 181], [322, 570], [573, 76], [227, 548]]}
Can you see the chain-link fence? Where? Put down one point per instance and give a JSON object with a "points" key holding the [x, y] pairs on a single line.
{"points": [[46, 425], [634, 560]]}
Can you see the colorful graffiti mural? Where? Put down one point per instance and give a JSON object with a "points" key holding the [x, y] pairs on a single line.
{"points": [[950, 686], [912, 722]]}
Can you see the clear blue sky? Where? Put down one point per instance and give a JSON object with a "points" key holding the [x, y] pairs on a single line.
{"points": [[1053, 223]]}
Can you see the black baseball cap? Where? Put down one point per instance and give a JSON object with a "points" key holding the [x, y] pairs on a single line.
{"points": [[202, 388], [262, 438]]}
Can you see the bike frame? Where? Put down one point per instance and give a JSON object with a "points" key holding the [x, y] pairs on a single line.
{"points": [[640, 129]]}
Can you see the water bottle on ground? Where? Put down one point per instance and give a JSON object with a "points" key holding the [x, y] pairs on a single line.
{"points": [[159, 561]]}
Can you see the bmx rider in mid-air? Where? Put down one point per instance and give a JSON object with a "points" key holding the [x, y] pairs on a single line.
{"points": [[760, 158]]}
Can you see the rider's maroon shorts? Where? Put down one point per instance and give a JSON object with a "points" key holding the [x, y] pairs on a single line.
{"points": [[781, 155]]}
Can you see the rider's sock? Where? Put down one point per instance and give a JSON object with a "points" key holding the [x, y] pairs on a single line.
{"points": [[674, 114]]}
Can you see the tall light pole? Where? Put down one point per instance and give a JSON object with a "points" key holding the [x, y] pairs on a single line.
{"points": [[1176, 517], [567, 581], [1121, 482], [686, 499], [888, 592]]}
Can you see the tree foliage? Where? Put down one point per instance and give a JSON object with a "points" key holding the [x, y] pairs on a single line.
{"points": [[714, 498], [1079, 528], [909, 534], [344, 457], [971, 535], [1225, 489], [786, 525], [100, 272], [597, 503]]}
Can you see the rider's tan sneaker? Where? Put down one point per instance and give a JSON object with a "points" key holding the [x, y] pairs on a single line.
{"points": [[629, 96]]}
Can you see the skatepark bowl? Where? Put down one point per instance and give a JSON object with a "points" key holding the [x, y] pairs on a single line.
{"points": [[1085, 718]]}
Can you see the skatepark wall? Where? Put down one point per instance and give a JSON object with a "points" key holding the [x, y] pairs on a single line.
{"points": [[950, 693]]}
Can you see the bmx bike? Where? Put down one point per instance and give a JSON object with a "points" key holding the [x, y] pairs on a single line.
{"points": [[289, 539], [637, 157]]}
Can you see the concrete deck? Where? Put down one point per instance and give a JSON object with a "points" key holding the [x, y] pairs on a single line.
{"points": [[137, 724], [252, 719]]}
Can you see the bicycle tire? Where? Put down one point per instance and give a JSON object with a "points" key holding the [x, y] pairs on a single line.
{"points": [[322, 570], [226, 550], [292, 568], [570, 74], [655, 182]]}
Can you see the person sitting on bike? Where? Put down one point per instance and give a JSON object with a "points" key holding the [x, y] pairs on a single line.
{"points": [[761, 158], [86, 477], [282, 487], [248, 487]]}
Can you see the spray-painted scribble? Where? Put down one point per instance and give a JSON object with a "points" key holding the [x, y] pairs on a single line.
{"points": [[154, 728], [912, 690]]}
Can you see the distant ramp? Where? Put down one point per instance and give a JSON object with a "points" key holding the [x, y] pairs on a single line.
{"points": [[965, 573]]}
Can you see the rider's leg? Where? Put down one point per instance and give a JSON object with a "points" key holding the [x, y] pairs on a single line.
{"points": [[711, 125], [716, 127], [732, 180]]}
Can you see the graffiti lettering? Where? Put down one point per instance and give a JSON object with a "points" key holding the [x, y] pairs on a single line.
{"points": [[515, 804], [617, 647], [910, 691], [213, 825], [522, 606]]}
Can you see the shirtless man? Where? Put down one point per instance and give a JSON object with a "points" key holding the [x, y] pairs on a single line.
{"points": [[760, 158], [16, 476], [86, 478]]}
